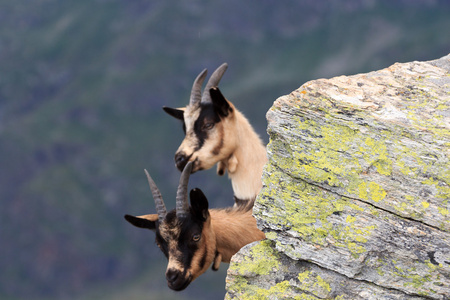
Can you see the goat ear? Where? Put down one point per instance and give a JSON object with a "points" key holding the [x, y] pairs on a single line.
{"points": [[145, 221], [221, 105], [177, 113], [199, 204]]}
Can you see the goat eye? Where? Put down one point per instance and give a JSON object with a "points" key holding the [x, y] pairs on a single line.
{"points": [[196, 237], [208, 126]]}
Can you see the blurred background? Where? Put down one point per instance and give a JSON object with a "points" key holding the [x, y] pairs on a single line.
{"points": [[82, 84]]}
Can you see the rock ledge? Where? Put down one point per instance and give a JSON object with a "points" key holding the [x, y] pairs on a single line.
{"points": [[355, 202]]}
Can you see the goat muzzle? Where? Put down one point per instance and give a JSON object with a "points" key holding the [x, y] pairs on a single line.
{"points": [[181, 159], [176, 280]]}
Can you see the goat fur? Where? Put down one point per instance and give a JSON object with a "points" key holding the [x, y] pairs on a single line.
{"points": [[230, 142], [200, 237]]}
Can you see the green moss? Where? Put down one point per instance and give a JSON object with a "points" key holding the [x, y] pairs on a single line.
{"points": [[306, 208], [239, 285], [332, 163], [328, 163], [300, 203], [281, 290], [323, 284], [370, 191], [271, 235], [350, 219], [338, 155], [275, 291], [376, 153], [443, 211], [263, 259], [311, 286], [314, 284], [419, 282]]}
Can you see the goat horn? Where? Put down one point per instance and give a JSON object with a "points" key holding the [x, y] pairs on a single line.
{"points": [[182, 206], [196, 92], [159, 203], [213, 82]]}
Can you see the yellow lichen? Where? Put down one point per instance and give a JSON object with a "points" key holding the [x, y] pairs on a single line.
{"points": [[263, 260], [314, 284], [350, 219]]}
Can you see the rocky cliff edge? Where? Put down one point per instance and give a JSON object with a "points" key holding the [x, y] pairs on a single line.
{"points": [[355, 202]]}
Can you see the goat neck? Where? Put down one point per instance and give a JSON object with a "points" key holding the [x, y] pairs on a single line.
{"points": [[234, 228], [245, 164]]}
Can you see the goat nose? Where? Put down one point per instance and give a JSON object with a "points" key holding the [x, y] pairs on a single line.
{"points": [[171, 275], [181, 160]]}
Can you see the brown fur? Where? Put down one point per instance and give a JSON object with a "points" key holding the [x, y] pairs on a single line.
{"points": [[224, 232], [233, 229]]}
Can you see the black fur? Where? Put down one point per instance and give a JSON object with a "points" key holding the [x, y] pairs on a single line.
{"points": [[221, 172], [204, 256], [242, 205], [141, 223], [208, 116], [189, 226], [243, 202], [199, 204], [221, 104], [186, 244], [177, 114], [162, 244], [174, 112]]}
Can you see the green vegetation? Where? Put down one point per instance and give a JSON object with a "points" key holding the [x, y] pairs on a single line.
{"points": [[81, 89]]}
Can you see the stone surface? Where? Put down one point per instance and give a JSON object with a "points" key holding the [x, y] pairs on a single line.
{"points": [[355, 202]]}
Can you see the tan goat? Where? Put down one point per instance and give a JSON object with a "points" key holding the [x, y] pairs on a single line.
{"points": [[216, 132], [194, 237]]}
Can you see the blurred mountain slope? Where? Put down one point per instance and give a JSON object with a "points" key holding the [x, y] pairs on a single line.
{"points": [[81, 89]]}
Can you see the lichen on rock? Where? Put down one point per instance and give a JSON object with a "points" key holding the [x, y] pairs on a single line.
{"points": [[355, 198]]}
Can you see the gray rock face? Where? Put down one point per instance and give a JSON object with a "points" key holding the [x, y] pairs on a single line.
{"points": [[355, 202]]}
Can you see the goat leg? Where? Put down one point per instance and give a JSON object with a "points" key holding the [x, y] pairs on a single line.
{"points": [[221, 167], [217, 261], [232, 164]]}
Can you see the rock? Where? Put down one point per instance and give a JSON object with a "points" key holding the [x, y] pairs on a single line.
{"points": [[355, 202]]}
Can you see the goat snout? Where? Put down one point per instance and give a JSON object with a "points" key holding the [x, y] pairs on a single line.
{"points": [[176, 280], [181, 159], [172, 275]]}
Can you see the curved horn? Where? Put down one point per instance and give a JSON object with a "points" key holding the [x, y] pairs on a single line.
{"points": [[159, 203], [182, 206], [196, 92], [213, 82]]}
